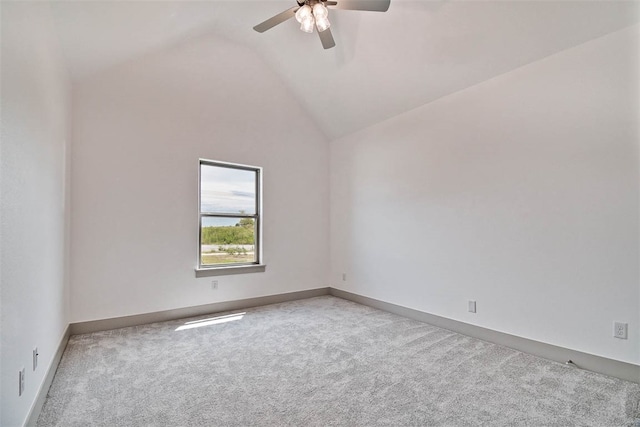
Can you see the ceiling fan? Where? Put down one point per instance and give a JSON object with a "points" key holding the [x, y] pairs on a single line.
{"points": [[314, 13]]}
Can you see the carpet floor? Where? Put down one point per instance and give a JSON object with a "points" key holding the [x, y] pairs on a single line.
{"points": [[320, 362]]}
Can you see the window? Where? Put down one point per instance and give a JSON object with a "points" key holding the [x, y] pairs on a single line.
{"points": [[230, 217]]}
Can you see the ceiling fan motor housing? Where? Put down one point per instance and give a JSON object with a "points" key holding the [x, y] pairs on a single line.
{"points": [[309, 2]]}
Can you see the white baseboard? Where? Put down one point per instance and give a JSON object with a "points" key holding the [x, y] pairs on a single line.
{"points": [[41, 395], [181, 313], [603, 365]]}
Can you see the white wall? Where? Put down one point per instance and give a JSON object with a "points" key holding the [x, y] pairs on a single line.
{"points": [[521, 193], [34, 134], [138, 132]]}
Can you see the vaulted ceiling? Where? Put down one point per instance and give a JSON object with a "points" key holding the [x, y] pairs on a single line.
{"points": [[384, 64]]}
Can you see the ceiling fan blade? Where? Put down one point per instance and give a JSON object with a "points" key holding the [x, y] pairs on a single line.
{"points": [[275, 20], [370, 5], [326, 38]]}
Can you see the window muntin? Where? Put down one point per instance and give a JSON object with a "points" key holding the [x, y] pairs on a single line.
{"points": [[229, 209]]}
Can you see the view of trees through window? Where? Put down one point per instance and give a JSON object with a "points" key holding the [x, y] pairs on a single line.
{"points": [[229, 213], [225, 244]]}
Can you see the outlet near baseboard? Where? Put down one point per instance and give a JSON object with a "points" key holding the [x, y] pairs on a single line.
{"points": [[472, 306], [620, 330], [21, 381]]}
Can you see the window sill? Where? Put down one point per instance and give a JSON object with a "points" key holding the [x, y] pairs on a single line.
{"points": [[234, 269]]}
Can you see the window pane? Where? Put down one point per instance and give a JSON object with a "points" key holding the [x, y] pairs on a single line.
{"points": [[227, 241], [227, 190]]}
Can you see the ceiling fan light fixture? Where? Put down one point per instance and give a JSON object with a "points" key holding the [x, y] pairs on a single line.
{"points": [[320, 10], [322, 23], [314, 13], [307, 24], [303, 13]]}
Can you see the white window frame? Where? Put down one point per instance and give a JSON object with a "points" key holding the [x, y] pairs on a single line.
{"points": [[203, 270]]}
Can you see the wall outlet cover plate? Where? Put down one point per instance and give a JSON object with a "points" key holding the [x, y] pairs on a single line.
{"points": [[620, 330], [472, 306]]}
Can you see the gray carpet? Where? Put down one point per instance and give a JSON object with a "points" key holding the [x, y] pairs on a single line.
{"points": [[320, 362]]}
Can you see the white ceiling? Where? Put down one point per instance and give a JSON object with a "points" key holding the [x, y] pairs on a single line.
{"points": [[384, 63]]}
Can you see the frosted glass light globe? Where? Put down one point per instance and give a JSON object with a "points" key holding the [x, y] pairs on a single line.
{"points": [[322, 24], [307, 24], [303, 13], [320, 11]]}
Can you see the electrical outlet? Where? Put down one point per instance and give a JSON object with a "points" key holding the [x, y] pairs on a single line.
{"points": [[214, 285], [620, 330], [344, 277], [472, 306], [35, 358], [20, 381]]}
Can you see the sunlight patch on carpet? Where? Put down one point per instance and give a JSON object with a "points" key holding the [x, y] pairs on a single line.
{"points": [[211, 321]]}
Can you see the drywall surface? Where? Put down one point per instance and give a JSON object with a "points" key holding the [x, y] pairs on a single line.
{"points": [[138, 132], [520, 193], [34, 135]]}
